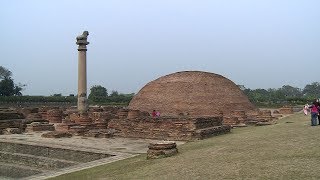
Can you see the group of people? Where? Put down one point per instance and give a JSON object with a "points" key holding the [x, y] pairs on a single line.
{"points": [[314, 110]]}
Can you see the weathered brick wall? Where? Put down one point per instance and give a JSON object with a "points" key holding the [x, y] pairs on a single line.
{"points": [[13, 123], [166, 128], [7, 113], [286, 110], [35, 127]]}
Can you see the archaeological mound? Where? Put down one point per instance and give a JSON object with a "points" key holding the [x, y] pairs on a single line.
{"points": [[192, 93]]}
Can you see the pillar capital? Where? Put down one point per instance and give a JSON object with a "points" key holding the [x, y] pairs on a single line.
{"points": [[82, 41]]}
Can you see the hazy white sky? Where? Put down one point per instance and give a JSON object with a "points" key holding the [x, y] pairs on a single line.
{"points": [[257, 43]]}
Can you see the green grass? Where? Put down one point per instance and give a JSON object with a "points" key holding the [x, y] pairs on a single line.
{"points": [[281, 151]]}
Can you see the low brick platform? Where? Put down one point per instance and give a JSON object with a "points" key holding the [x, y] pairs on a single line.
{"points": [[65, 126], [232, 121], [36, 126], [6, 113], [12, 123], [240, 115], [78, 130], [12, 131], [100, 133], [286, 110], [169, 128], [265, 116], [56, 134]]}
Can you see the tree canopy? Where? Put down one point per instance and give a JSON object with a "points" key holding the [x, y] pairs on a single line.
{"points": [[97, 92], [312, 90], [285, 95], [7, 85], [4, 73]]}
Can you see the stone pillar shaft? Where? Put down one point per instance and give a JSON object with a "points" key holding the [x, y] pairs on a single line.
{"points": [[82, 72], [82, 81]]}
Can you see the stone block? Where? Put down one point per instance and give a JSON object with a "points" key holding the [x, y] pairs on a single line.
{"points": [[162, 149]]}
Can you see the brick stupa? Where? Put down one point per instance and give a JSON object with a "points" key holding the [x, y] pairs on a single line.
{"points": [[192, 93]]}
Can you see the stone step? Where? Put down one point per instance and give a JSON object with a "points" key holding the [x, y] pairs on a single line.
{"points": [[51, 152], [40, 162], [14, 171]]}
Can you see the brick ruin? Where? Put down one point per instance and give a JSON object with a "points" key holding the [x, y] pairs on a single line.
{"points": [[109, 121], [193, 105], [167, 128], [196, 94], [193, 93], [286, 110], [114, 121]]}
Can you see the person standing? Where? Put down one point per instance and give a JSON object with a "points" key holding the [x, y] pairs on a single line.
{"points": [[318, 101], [154, 113], [314, 112], [158, 114]]}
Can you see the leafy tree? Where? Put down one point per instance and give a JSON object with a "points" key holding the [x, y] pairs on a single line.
{"points": [[120, 98], [7, 85], [290, 91], [312, 90], [98, 92], [259, 95], [114, 93], [276, 96], [17, 89], [8, 88], [4, 73]]}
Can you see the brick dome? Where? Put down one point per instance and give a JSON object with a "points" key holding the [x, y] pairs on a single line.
{"points": [[192, 93]]}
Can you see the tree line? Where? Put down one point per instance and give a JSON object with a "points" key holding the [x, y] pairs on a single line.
{"points": [[286, 95], [99, 94], [10, 92], [96, 96]]}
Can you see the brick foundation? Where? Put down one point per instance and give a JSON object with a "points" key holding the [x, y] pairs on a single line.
{"points": [[169, 128], [286, 110], [36, 127]]}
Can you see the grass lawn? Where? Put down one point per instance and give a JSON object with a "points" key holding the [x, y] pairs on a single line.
{"points": [[282, 151]]}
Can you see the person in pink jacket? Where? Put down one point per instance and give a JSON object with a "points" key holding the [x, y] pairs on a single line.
{"points": [[314, 109]]}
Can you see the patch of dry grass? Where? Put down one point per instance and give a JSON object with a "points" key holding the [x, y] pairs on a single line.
{"points": [[282, 151]]}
